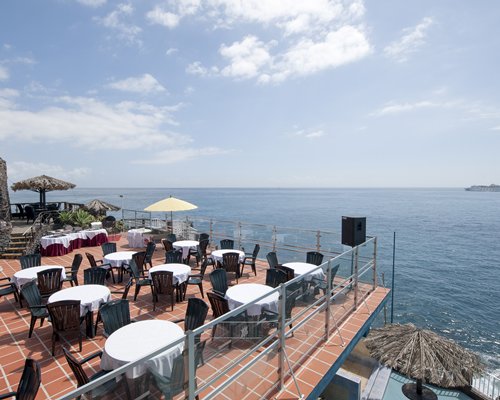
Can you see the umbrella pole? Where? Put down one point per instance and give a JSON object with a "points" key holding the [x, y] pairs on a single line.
{"points": [[419, 386]]}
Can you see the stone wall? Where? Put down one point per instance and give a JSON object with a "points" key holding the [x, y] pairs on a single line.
{"points": [[5, 224]]}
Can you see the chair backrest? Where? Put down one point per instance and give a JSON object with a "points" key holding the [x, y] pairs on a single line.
{"points": [[115, 314], [203, 268], [65, 315], [30, 213], [134, 269], [196, 313], [31, 293], [203, 246], [30, 380], [171, 237], [334, 271], [219, 304], [75, 265], [139, 258], [272, 259], [107, 248], [174, 256], [127, 288], [231, 262], [150, 250], [204, 236], [163, 282], [49, 281], [226, 244], [76, 367], [167, 245], [94, 276], [313, 257], [30, 260], [91, 259], [218, 279], [290, 273], [256, 250], [275, 277]]}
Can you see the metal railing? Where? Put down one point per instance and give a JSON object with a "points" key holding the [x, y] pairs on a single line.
{"points": [[488, 385], [260, 353]]}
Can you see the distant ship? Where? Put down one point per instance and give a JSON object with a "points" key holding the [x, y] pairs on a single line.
{"points": [[483, 188]]}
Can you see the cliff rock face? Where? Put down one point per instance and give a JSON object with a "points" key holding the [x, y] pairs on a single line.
{"points": [[5, 224]]}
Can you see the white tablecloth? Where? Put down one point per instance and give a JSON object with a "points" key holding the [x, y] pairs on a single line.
{"points": [[217, 254], [185, 245], [90, 233], [180, 271], [29, 274], [96, 225], [90, 296], [118, 258], [246, 292], [135, 237], [47, 241], [139, 339], [302, 268]]}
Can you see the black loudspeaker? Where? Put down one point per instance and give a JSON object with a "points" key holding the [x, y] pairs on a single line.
{"points": [[353, 231]]}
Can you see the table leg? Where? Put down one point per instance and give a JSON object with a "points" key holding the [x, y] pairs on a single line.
{"points": [[89, 321]]}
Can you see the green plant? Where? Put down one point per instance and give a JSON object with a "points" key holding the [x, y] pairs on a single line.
{"points": [[65, 218], [82, 218]]}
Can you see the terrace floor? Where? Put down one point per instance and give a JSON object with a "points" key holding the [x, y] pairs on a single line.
{"points": [[314, 356]]}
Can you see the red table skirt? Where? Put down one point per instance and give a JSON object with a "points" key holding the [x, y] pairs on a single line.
{"points": [[59, 250]]}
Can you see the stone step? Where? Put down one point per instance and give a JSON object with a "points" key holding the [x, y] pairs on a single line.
{"points": [[16, 245], [10, 256]]}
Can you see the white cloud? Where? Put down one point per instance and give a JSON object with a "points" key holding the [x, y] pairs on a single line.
{"points": [[171, 51], [180, 154], [141, 84], [410, 42], [115, 21], [4, 73], [310, 134], [92, 3], [19, 170], [397, 108], [197, 68], [162, 17]]}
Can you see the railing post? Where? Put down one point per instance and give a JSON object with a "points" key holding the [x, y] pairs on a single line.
{"points": [[375, 283], [327, 299], [282, 336], [211, 231], [239, 235], [274, 237], [318, 241], [191, 367], [356, 249]]}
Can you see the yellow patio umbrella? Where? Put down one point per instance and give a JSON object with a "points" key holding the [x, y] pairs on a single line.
{"points": [[171, 204]]}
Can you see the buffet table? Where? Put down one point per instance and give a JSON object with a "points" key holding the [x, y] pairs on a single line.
{"points": [[63, 243]]}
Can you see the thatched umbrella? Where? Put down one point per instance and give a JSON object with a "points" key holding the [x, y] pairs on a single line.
{"points": [[423, 355], [100, 207], [42, 184]]}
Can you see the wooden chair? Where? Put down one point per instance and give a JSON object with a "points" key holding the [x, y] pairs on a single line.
{"points": [[72, 272], [29, 383], [31, 294], [250, 260], [49, 281], [163, 284], [65, 318]]}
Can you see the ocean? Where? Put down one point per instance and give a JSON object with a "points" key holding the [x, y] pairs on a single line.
{"points": [[447, 243]]}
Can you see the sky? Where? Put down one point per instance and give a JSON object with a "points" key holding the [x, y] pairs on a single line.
{"points": [[251, 93]]}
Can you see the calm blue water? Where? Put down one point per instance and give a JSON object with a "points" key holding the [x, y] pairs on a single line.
{"points": [[447, 243]]}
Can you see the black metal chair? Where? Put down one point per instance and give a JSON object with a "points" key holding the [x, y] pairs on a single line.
{"points": [[100, 263], [29, 383], [94, 276], [218, 279], [32, 295], [150, 251], [163, 284], [139, 279], [49, 281], [250, 260], [231, 263], [65, 318], [9, 288], [72, 272], [30, 213], [82, 378], [30, 260], [314, 257], [114, 314], [197, 279], [174, 256], [227, 244], [275, 277], [272, 259]]}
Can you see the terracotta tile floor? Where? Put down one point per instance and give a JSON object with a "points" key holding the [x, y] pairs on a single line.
{"points": [[309, 355]]}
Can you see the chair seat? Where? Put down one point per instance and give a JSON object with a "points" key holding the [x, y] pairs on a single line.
{"points": [[7, 290], [144, 282], [194, 281], [40, 312]]}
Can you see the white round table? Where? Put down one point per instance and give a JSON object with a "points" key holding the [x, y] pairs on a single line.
{"points": [[90, 296], [246, 292], [135, 237], [185, 245], [25, 275], [137, 340], [180, 271], [302, 268], [118, 258], [217, 255]]}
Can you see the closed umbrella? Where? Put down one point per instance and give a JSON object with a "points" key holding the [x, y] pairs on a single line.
{"points": [[42, 184], [171, 204], [425, 356], [100, 207]]}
